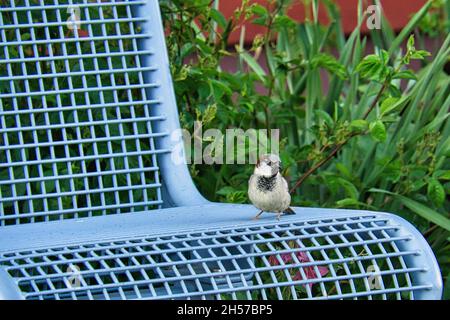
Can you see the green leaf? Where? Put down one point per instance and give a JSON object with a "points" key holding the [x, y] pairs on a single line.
{"points": [[394, 91], [328, 62], [410, 43], [420, 209], [261, 13], [405, 74], [25, 36], [282, 21], [344, 171], [226, 191], [210, 113], [374, 67], [347, 202], [426, 212], [218, 17], [420, 54], [369, 66], [182, 74], [359, 125], [446, 293], [254, 65], [388, 105], [258, 9], [445, 175], [322, 115], [435, 192], [219, 88], [350, 189], [378, 131], [384, 55]]}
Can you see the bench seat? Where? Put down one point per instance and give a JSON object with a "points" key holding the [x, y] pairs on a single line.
{"points": [[218, 251]]}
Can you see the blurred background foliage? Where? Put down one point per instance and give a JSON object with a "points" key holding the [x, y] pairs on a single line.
{"points": [[365, 115]]}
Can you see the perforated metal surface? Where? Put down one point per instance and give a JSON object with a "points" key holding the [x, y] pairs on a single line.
{"points": [[360, 257], [76, 131]]}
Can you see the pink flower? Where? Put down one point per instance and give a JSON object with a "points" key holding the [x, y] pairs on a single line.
{"points": [[310, 271], [81, 33], [302, 256], [286, 257]]}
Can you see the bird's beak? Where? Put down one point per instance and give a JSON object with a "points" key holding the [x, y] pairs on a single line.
{"points": [[280, 167]]}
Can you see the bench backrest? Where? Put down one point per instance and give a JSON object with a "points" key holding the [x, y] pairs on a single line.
{"points": [[79, 86]]}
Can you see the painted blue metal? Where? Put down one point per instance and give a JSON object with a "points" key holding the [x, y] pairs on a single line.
{"points": [[179, 188], [9, 290], [61, 234]]}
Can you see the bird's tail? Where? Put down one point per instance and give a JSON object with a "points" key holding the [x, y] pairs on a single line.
{"points": [[289, 211]]}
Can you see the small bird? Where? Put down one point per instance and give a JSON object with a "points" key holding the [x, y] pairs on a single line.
{"points": [[267, 189]]}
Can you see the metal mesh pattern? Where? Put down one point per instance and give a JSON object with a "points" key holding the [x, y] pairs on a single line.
{"points": [[356, 257], [76, 135]]}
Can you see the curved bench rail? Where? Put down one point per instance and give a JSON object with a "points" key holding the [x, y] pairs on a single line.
{"points": [[178, 187], [9, 290], [215, 251], [425, 257]]}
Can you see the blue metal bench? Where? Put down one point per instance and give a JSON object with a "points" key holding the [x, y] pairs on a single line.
{"points": [[93, 207]]}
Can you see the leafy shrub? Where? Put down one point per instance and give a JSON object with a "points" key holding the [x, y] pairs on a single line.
{"points": [[376, 138]]}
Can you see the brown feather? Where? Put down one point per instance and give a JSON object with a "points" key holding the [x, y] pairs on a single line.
{"points": [[289, 211]]}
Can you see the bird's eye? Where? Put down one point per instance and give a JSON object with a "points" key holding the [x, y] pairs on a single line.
{"points": [[269, 163]]}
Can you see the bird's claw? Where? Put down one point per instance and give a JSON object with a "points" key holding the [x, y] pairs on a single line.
{"points": [[257, 216]]}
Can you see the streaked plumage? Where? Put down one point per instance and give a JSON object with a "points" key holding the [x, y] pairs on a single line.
{"points": [[268, 190]]}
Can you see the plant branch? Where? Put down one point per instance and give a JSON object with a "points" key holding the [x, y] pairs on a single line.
{"points": [[374, 102], [319, 164], [340, 145]]}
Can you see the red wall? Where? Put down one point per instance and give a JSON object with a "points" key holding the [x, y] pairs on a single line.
{"points": [[398, 13]]}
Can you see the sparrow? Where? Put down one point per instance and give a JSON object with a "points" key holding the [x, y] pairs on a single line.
{"points": [[267, 189]]}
